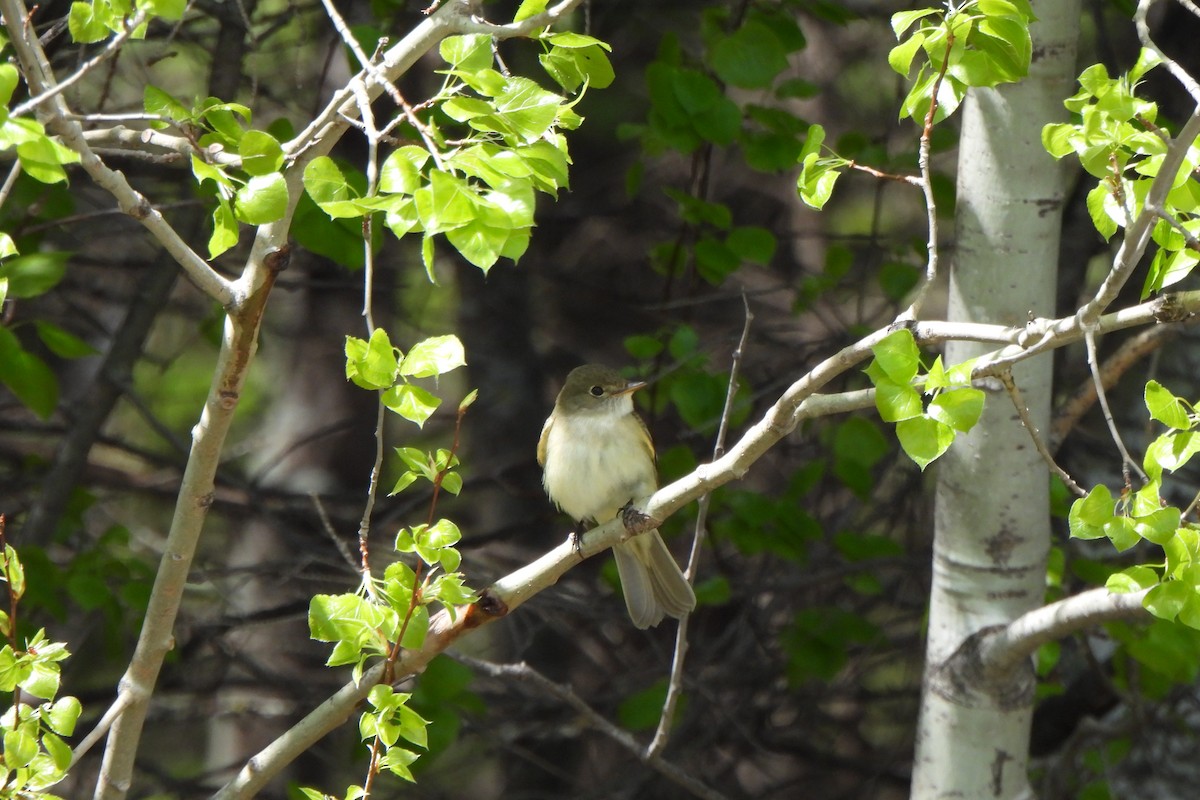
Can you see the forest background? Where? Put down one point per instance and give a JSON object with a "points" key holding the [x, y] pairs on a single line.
{"points": [[674, 244]]}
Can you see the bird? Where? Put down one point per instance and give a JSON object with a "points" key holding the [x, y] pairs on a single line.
{"points": [[597, 457]]}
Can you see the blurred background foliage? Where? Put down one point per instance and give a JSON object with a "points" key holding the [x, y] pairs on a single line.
{"points": [[805, 656]]}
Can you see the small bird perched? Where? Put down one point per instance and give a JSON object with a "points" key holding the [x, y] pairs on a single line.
{"points": [[597, 457]]}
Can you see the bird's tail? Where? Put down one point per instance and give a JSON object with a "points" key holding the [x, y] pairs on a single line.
{"points": [[653, 584]]}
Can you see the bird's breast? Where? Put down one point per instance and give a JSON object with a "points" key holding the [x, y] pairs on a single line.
{"points": [[595, 465]]}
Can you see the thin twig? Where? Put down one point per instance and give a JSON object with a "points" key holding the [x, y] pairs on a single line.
{"points": [[932, 255], [327, 526], [101, 730], [1014, 393], [1089, 337], [527, 674], [1179, 73], [108, 52], [675, 684], [1188, 237], [1130, 353], [9, 180], [365, 61], [364, 525]]}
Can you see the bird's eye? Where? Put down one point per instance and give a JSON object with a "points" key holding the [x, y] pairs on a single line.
{"points": [[596, 391]]}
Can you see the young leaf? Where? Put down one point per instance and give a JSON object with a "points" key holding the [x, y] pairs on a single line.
{"points": [[436, 355], [924, 439], [263, 199], [958, 408], [411, 402], [1165, 407], [371, 364]]}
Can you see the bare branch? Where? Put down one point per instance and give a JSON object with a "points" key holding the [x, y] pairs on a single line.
{"points": [[1003, 648], [931, 264], [107, 52], [1014, 393], [1180, 74], [675, 684], [1127, 355], [36, 69], [798, 402], [1127, 461]]}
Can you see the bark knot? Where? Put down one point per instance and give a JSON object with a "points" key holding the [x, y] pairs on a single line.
{"points": [[965, 679]]}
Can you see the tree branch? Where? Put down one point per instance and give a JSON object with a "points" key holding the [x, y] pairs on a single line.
{"points": [[798, 402], [37, 72], [1002, 648], [524, 673]]}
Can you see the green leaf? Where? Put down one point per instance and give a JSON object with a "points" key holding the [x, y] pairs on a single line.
{"points": [[571, 67], [160, 103], [446, 203], [924, 439], [63, 715], [752, 244], [34, 274], [751, 57], [9, 77], [1090, 514], [436, 355], [958, 408], [328, 188], [1165, 407], [20, 747], [85, 24], [42, 158], [527, 109], [1132, 579], [894, 401], [263, 199], [413, 403], [1166, 600], [903, 20], [43, 681], [641, 710], [418, 627], [1103, 209], [401, 171], [203, 171], [166, 9], [1158, 527], [62, 343], [529, 8], [261, 153], [371, 364], [714, 260], [900, 57], [225, 229], [897, 356], [1122, 532], [816, 182], [1171, 451], [470, 53], [27, 376]]}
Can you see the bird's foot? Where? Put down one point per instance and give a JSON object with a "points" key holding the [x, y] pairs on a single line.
{"points": [[634, 520]]}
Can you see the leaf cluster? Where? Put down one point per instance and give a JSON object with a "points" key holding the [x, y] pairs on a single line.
{"points": [[1117, 139], [35, 756], [925, 430], [490, 142]]}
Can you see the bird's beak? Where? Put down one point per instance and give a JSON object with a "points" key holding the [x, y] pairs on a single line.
{"points": [[632, 387]]}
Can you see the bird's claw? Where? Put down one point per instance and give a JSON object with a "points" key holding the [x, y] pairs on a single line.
{"points": [[633, 518]]}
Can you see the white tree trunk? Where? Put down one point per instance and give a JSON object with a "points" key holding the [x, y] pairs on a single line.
{"points": [[992, 518]]}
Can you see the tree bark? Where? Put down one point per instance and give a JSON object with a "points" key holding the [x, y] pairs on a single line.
{"points": [[992, 508]]}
